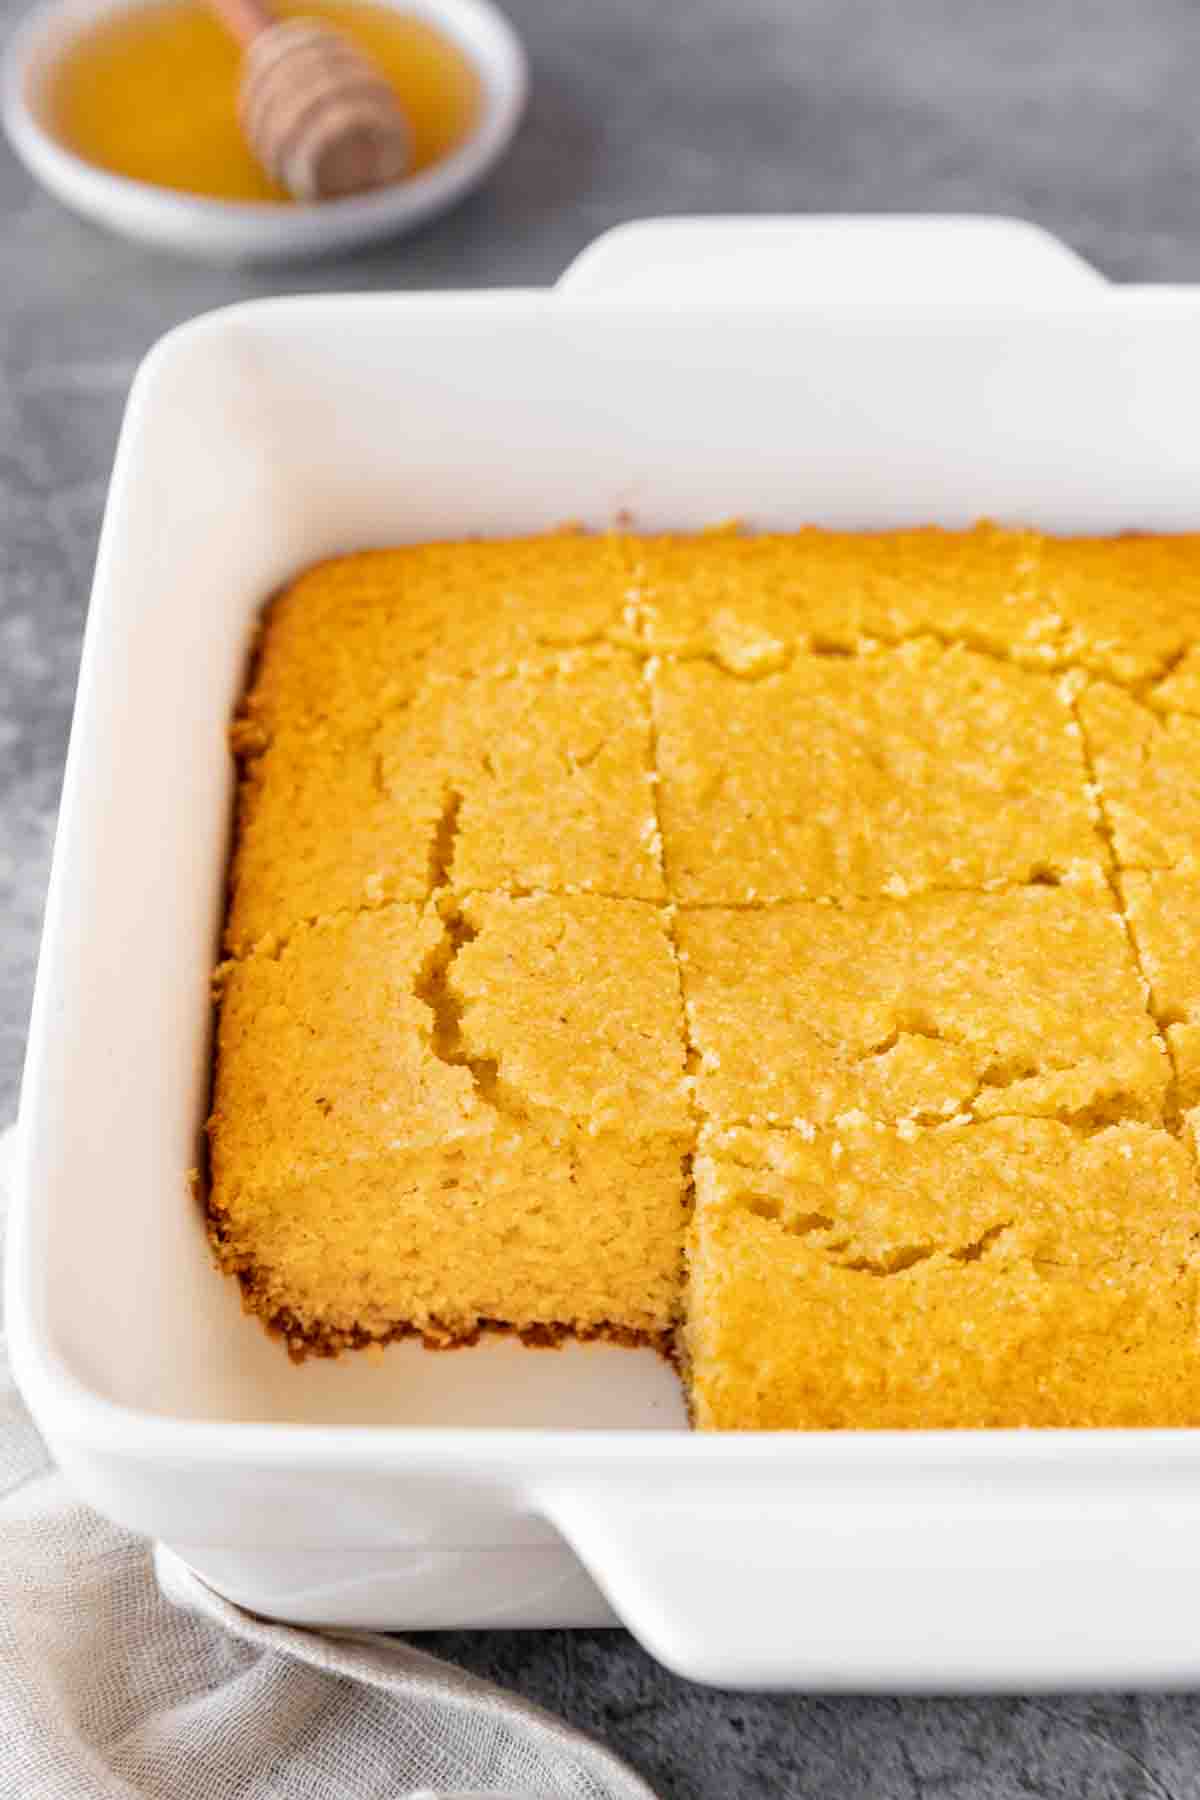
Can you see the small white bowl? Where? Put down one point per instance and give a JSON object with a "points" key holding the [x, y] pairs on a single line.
{"points": [[242, 231]]}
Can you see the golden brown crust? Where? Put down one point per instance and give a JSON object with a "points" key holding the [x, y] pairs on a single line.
{"points": [[304, 1341]]}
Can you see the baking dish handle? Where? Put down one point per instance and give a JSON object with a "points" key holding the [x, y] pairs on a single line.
{"points": [[830, 257], [984, 1595]]}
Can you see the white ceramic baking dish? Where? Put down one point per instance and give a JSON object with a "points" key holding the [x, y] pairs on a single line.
{"points": [[500, 1486]]}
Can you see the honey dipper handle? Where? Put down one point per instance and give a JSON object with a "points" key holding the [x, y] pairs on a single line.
{"points": [[246, 19]]}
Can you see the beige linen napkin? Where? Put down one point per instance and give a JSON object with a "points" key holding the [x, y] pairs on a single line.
{"points": [[123, 1677]]}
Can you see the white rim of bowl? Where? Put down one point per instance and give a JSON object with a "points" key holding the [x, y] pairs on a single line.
{"points": [[476, 27]]}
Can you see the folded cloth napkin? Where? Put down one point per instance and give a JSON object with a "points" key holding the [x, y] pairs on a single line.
{"points": [[123, 1677]]}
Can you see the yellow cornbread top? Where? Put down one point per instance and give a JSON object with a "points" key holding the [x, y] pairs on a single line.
{"points": [[724, 719], [575, 1005], [1010, 1272], [726, 724], [885, 772], [419, 1025], [338, 997], [1016, 1189], [536, 776], [849, 880], [1163, 909], [548, 766], [1122, 607], [1147, 765], [355, 636], [1026, 1001]]}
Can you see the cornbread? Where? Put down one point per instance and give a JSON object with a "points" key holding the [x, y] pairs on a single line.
{"points": [[749, 602], [1147, 766], [535, 776], [1026, 1001], [1179, 689], [1123, 607], [418, 1118], [318, 834], [1011, 1271], [781, 948], [550, 768], [888, 772], [353, 638], [1162, 906]]}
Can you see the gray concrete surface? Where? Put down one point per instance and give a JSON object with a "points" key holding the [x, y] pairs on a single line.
{"points": [[1081, 116]]}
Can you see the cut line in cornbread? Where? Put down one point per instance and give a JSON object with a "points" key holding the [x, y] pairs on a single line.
{"points": [[318, 834], [546, 772], [1027, 1001], [1008, 1273], [886, 773], [1163, 908], [1148, 771], [430, 1122], [538, 776]]}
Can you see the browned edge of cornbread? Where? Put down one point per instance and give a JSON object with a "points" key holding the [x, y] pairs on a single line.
{"points": [[246, 742], [303, 1342]]}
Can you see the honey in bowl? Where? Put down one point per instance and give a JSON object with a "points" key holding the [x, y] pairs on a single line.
{"points": [[151, 93]]}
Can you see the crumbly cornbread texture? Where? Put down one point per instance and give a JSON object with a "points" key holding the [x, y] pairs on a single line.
{"points": [[535, 775], [1179, 689], [887, 772], [1027, 1001], [1123, 607], [430, 1121], [782, 945], [1009, 1272], [353, 639], [1163, 908], [1147, 765]]}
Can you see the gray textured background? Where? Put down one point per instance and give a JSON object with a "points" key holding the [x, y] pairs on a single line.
{"points": [[1081, 116]]}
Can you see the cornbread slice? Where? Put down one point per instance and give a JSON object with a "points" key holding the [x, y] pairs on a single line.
{"points": [[1012, 1272], [354, 637], [1027, 1001], [319, 834], [1122, 607], [750, 601], [1163, 909], [884, 773], [1148, 769], [544, 771], [379, 1166], [532, 778], [326, 1049]]}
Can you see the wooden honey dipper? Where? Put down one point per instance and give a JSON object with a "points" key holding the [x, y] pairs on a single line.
{"points": [[319, 116]]}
